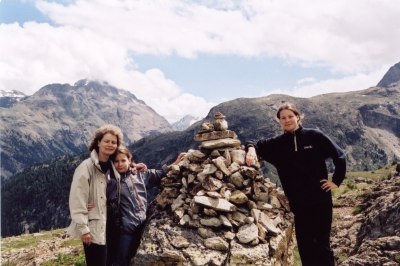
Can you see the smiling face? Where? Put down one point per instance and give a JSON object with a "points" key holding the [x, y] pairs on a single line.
{"points": [[107, 146], [289, 120], [122, 163]]}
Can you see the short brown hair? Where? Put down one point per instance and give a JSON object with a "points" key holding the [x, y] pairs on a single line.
{"points": [[291, 107], [100, 132], [124, 150]]}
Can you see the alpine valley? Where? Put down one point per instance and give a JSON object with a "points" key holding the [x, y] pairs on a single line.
{"points": [[45, 136]]}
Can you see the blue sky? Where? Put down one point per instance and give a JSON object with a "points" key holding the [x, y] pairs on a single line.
{"points": [[179, 54]]}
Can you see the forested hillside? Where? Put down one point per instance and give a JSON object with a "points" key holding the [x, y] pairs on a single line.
{"points": [[37, 198]]}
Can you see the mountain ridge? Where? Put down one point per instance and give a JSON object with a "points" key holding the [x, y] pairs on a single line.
{"points": [[356, 120], [392, 77], [60, 119]]}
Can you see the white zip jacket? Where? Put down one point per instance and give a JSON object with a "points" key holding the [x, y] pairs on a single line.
{"points": [[89, 185]]}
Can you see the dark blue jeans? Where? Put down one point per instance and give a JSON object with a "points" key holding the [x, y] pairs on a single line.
{"points": [[128, 244]]}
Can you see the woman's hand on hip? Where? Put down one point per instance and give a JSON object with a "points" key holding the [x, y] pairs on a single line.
{"points": [[327, 185]]}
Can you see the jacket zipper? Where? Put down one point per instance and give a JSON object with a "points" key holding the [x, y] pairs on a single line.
{"points": [[295, 142]]}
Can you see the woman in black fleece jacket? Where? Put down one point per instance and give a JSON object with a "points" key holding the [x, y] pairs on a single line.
{"points": [[299, 156]]}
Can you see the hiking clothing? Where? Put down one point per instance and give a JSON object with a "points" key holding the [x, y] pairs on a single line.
{"points": [[299, 158], [89, 186], [313, 229], [123, 234], [95, 255], [134, 203], [128, 245]]}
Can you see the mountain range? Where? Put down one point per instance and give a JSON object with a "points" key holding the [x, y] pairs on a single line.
{"points": [[366, 124], [60, 119]]}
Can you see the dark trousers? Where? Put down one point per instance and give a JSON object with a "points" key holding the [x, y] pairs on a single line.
{"points": [[95, 255], [128, 245], [112, 241], [126, 242], [313, 229]]}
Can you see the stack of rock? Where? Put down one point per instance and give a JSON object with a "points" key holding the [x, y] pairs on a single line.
{"points": [[216, 210]]}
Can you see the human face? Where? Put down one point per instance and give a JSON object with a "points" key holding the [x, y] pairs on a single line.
{"points": [[289, 121], [122, 163], [107, 146]]}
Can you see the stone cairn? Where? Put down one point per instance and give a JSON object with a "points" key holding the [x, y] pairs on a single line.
{"points": [[215, 210]]}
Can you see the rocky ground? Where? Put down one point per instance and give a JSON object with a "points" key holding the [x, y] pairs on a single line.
{"points": [[365, 231], [45, 248], [366, 225]]}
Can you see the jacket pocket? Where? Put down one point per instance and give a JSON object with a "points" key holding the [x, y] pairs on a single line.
{"points": [[93, 226], [94, 214]]}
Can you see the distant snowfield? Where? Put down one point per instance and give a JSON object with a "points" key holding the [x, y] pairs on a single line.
{"points": [[11, 93]]}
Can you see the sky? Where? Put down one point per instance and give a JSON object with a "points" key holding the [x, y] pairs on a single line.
{"points": [[186, 56]]}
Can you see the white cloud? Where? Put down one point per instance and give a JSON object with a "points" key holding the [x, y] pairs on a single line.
{"points": [[95, 38], [39, 54], [349, 36], [309, 87], [176, 108]]}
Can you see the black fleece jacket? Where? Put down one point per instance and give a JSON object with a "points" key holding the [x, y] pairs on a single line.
{"points": [[300, 158]]}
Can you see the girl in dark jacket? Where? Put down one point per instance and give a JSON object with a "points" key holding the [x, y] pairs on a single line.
{"points": [[299, 156], [133, 201]]}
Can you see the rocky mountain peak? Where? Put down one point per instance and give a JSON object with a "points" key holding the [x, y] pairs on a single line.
{"points": [[60, 118], [391, 77], [185, 122]]}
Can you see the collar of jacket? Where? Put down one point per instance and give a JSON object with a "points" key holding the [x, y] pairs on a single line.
{"points": [[126, 174], [294, 132], [293, 135], [95, 159]]}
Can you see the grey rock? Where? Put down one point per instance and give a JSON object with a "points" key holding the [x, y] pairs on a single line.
{"points": [[211, 184], [237, 179], [247, 233], [215, 135], [216, 243], [238, 197], [225, 221], [205, 232], [211, 222], [220, 164], [234, 167], [209, 169], [220, 143], [238, 156], [179, 242]]}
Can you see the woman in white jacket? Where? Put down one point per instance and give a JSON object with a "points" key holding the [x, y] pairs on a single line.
{"points": [[94, 181]]}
